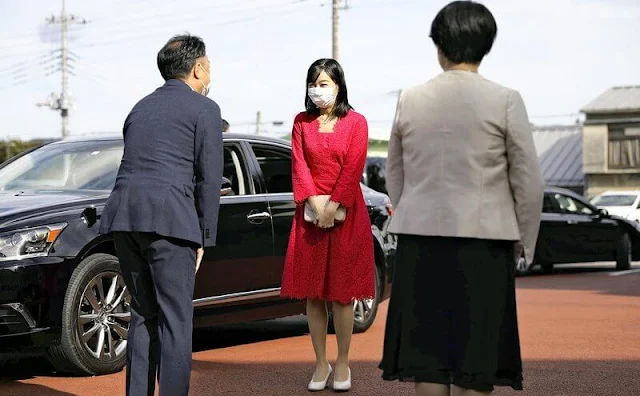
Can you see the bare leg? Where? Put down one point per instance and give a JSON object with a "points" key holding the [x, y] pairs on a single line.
{"points": [[343, 323], [429, 389], [458, 391], [318, 321]]}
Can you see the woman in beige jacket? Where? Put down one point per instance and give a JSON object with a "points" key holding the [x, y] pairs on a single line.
{"points": [[463, 175]]}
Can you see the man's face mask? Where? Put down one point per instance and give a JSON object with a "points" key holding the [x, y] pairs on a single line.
{"points": [[205, 88]]}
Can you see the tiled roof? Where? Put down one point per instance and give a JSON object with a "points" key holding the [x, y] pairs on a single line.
{"points": [[615, 100], [560, 153]]}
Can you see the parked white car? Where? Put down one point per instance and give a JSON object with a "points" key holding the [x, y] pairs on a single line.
{"points": [[619, 203]]}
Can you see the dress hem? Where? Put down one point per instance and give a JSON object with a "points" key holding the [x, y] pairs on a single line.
{"points": [[326, 298], [467, 379]]}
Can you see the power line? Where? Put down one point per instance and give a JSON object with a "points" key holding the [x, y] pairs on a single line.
{"points": [[122, 25], [285, 10], [161, 18], [119, 25]]}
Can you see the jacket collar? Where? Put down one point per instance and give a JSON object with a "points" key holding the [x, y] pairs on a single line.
{"points": [[177, 83]]}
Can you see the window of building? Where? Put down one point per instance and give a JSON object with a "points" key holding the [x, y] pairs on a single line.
{"points": [[624, 146]]}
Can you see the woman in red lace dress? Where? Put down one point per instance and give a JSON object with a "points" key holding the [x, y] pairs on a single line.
{"points": [[327, 260]]}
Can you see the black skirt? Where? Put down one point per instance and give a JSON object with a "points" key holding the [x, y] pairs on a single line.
{"points": [[452, 314]]}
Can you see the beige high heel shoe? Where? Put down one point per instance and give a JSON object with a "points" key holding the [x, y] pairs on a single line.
{"points": [[342, 386], [315, 386]]}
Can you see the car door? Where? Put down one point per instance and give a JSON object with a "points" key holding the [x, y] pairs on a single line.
{"points": [[234, 269], [591, 236], [554, 236], [273, 162]]}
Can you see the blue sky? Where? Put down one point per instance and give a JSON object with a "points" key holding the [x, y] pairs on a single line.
{"points": [[559, 54]]}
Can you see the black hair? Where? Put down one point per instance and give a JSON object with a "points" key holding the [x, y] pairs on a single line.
{"points": [[225, 125], [179, 55], [335, 72], [464, 31]]}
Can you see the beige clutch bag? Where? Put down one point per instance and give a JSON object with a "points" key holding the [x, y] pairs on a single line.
{"points": [[310, 214]]}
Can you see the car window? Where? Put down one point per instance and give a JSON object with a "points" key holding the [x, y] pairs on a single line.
{"points": [[549, 204], [235, 171], [614, 200], [275, 164], [572, 206], [65, 166]]}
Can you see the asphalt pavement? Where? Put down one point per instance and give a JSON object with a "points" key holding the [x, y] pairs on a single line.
{"points": [[580, 335]]}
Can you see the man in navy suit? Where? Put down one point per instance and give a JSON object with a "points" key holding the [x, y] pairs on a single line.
{"points": [[163, 211]]}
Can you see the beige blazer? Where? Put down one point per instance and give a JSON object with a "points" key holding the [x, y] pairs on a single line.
{"points": [[462, 162]]}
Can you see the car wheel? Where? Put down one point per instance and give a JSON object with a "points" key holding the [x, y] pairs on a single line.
{"points": [[623, 253], [95, 319], [364, 311], [547, 268]]}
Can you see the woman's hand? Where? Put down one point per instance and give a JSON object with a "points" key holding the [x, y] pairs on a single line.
{"points": [[328, 215], [199, 256], [316, 204], [326, 218]]}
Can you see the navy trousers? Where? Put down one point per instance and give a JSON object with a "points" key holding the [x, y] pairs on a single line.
{"points": [[160, 275]]}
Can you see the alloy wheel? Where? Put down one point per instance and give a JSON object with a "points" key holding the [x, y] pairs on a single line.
{"points": [[104, 316]]}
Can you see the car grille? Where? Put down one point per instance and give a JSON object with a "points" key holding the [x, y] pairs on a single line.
{"points": [[14, 319]]}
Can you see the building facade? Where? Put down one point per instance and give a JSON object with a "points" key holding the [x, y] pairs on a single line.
{"points": [[611, 141]]}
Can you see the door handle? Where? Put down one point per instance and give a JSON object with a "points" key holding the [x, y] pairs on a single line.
{"points": [[572, 221], [258, 216]]}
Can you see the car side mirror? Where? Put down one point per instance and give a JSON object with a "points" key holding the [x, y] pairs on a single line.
{"points": [[225, 188], [602, 213]]}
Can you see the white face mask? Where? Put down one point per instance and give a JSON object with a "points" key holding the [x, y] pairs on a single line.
{"points": [[322, 97], [205, 88]]}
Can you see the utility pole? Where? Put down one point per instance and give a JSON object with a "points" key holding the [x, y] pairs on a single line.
{"points": [[258, 122], [335, 19], [334, 28], [62, 101]]}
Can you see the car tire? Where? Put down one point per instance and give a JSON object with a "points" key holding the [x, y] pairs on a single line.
{"points": [[96, 306], [623, 253], [365, 311]]}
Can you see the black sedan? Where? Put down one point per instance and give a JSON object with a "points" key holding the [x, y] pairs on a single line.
{"points": [[374, 173], [574, 231], [61, 289]]}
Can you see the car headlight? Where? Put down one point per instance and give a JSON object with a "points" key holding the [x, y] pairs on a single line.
{"points": [[31, 242]]}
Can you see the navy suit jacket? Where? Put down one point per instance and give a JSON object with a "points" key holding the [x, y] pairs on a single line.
{"points": [[171, 171]]}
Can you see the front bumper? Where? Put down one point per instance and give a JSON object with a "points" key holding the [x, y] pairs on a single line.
{"points": [[18, 329], [32, 293]]}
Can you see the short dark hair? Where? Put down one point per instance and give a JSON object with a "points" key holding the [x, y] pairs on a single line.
{"points": [[335, 72], [464, 31], [225, 125], [179, 55]]}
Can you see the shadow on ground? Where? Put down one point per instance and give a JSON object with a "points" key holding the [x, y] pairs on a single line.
{"points": [[248, 333]]}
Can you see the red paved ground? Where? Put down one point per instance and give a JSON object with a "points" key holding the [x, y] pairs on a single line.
{"points": [[580, 336]]}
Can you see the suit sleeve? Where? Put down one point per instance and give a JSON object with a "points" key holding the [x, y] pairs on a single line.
{"points": [[348, 184], [395, 165], [303, 185], [208, 172], [525, 177]]}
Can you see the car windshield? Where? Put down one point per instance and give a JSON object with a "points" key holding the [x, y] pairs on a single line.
{"points": [[65, 166], [614, 200]]}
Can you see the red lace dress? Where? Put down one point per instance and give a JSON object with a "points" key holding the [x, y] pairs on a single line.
{"points": [[335, 264]]}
